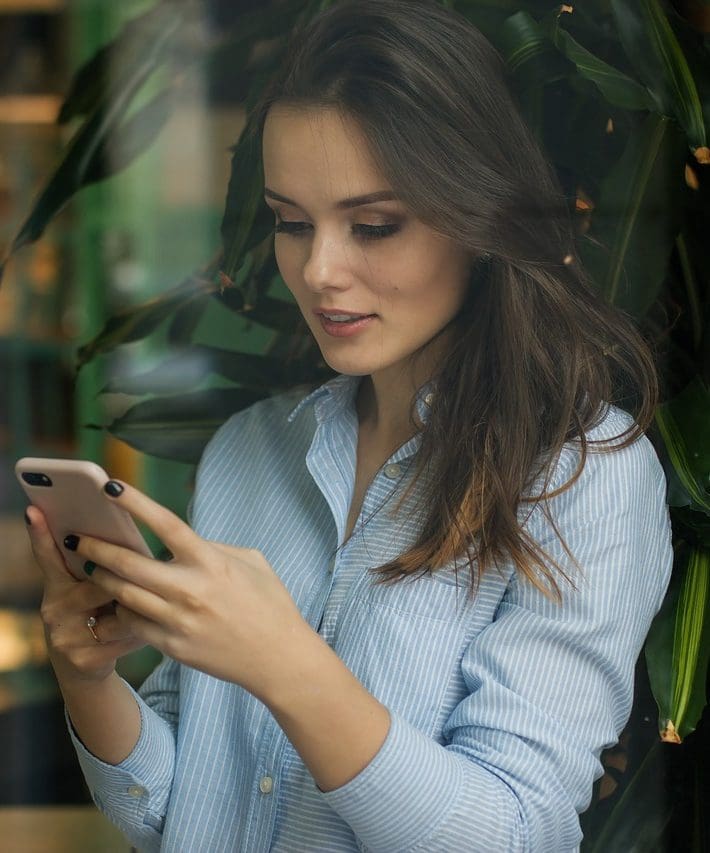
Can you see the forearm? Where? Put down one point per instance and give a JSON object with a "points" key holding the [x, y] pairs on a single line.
{"points": [[333, 722], [413, 792], [104, 715]]}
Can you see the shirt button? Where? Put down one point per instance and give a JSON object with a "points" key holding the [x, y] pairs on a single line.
{"points": [[392, 471], [266, 784], [136, 791], [429, 399]]}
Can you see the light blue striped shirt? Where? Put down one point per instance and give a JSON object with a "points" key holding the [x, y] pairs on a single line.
{"points": [[499, 706]]}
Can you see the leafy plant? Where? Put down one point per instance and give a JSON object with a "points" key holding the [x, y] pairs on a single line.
{"points": [[618, 92]]}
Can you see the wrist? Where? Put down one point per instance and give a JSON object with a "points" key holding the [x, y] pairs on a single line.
{"points": [[332, 720], [298, 657], [76, 686]]}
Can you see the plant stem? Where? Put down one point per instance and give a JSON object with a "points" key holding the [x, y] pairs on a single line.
{"points": [[691, 288]]}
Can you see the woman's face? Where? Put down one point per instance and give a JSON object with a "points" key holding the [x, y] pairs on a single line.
{"points": [[373, 282]]}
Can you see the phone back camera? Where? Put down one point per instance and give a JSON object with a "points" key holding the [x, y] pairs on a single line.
{"points": [[36, 479]]}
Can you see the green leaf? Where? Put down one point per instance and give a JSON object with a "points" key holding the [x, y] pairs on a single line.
{"points": [[171, 375], [632, 825], [277, 314], [233, 62], [638, 216], [254, 371], [522, 39], [139, 321], [247, 220], [654, 50], [691, 526], [189, 368], [683, 424], [90, 143], [186, 319], [130, 139], [178, 427], [106, 73], [618, 89], [678, 647], [487, 15]]}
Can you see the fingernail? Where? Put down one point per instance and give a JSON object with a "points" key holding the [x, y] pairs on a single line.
{"points": [[70, 542], [113, 488], [89, 567], [28, 520]]}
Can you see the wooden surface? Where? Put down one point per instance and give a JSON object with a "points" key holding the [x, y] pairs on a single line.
{"points": [[58, 829]]}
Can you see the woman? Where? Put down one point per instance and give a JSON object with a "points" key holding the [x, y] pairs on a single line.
{"points": [[407, 613]]}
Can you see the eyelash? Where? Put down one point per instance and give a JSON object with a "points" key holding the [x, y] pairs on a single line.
{"points": [[364, 232]]}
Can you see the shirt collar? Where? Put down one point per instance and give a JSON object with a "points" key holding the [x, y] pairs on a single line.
{"points": [[338, 393], [330, 398]]}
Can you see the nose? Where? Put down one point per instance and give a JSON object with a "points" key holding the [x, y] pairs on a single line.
{"points": [[327, 264]]}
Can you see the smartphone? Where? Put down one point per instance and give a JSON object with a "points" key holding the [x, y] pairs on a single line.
{"points": [[71, 495]]}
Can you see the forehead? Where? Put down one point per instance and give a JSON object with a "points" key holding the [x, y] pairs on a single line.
{"points": [[317, 151]]}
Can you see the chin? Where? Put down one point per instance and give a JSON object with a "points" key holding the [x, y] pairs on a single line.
{"points": [[350, 367]]}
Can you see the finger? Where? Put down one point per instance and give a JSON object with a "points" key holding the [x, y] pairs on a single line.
{"points": [[112, 649], [135, 598], [73, 605], [171, 530], [127, 564], [144, 631], [128, 629], [85, 598], [48, 556], [111, 629]]}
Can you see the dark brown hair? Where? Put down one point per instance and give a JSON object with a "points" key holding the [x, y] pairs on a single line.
{"points": [[537, 354]]}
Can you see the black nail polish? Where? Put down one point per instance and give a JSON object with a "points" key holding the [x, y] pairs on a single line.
{"points": [[89, 567], [28, 520], [70, 542], [113, 488]]}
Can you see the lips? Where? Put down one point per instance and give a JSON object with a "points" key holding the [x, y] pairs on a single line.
{"points": [[336, 313], [347, 325]]}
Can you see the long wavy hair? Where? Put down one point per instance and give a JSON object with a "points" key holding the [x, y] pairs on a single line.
{"points": [[537, 354]]}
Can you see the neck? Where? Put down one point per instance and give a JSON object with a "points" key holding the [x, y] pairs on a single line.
{"points": [[384, 398], [384, 406]]}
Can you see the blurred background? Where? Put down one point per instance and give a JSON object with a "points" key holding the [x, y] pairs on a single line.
{"points": [[127, 334], [118, 244]]}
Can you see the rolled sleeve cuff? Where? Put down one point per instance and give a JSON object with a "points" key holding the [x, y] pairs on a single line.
{"points": [[404, 794], [135, 792]]}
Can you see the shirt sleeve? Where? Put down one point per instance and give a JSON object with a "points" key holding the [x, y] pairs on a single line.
{"points": [[550, 683], [134, 794]]}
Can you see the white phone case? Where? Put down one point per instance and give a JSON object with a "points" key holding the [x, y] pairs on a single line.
{"points": [[71, 495]]}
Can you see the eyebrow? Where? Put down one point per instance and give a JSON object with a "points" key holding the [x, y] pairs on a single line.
{"points": [[343, 204]]}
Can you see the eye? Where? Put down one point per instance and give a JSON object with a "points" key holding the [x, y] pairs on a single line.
{"points": [[293, 228], [361, 230], [375, 232]]}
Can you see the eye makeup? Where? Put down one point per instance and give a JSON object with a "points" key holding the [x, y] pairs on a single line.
{"points": [[362, 231]]}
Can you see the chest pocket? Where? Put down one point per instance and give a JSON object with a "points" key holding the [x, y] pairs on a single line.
{"points": [[404, 642]]}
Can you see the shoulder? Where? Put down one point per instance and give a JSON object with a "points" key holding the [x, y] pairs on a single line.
{"points": [[609, 465], [251, 454], [608, 487], [607, 524], [262, 421], [253, 438]]}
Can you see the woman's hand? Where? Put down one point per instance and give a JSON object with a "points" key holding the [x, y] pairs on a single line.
{"points": [[216, 608], [67, 604]]}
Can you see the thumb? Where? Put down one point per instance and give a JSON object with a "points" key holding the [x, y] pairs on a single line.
{"points": [[48, 556]]}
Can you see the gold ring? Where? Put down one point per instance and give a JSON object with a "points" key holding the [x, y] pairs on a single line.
{"points": [[91, 623]]}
